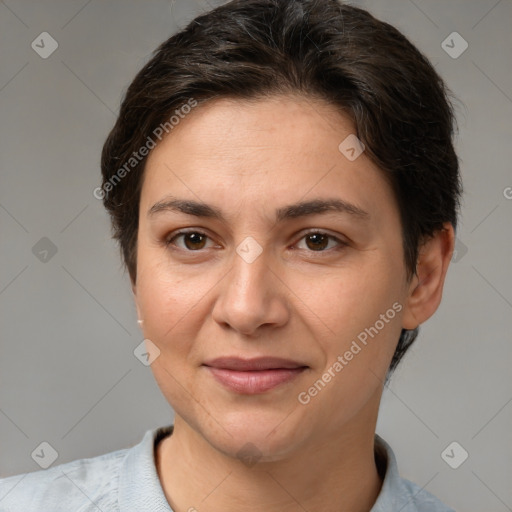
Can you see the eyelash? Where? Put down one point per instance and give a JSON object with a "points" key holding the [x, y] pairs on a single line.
{"points": [[341, 243]]}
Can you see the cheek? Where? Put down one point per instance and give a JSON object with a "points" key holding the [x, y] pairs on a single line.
{"points": [[170, 306], [353, 299], [362, 309], [365, 325], [167, 300]]}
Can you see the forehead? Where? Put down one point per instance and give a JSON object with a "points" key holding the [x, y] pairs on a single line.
{"points": [[227, 128], [243, 153]]}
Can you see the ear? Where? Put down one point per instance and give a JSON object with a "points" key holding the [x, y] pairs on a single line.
{"points": [[426, 287]]}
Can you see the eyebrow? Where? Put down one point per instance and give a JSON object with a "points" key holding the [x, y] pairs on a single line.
{"points": [[292, 211]]}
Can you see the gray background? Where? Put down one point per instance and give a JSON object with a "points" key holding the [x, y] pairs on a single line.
{"points": [[68, 374]]}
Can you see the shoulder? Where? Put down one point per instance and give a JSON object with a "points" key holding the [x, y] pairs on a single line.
{"points": [[85, 484]]}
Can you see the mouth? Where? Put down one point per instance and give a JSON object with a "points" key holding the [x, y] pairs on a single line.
{"points": [[253, 376]]}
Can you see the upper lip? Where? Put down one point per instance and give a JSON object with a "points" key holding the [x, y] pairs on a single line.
{"points": [[258, 363]]}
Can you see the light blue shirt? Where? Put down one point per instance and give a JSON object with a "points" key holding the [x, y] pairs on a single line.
{"points": [[127, 481]]}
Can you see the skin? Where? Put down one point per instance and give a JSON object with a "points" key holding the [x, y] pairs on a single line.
{"points": [[201, 300]]}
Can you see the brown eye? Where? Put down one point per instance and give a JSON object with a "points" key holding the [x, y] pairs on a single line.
{"points": [[318, 241], [192, 240]]}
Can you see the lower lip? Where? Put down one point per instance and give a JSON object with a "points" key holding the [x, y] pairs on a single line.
{"points": [[253, 382]]}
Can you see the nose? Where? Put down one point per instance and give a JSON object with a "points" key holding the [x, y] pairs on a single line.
{"points": [[251, 297]]}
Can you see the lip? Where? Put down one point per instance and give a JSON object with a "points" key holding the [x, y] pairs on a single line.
{"points": [[257, 363], [252, 376]]}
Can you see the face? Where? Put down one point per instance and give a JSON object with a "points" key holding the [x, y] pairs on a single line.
{"points": [[251, 276]]}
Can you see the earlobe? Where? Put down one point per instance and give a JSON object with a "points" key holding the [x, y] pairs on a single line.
{"points": [[426, 287]]}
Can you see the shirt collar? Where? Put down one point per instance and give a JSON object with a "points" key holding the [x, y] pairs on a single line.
{"points": [[139, 485], [391, 490]]}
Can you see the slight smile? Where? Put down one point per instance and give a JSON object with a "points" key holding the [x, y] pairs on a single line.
{"points": [[253, 376]]}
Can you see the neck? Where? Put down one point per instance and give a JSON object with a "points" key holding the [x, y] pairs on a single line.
{"points": [[336, 472]]}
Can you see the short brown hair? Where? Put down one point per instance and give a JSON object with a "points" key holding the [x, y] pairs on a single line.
{"points": [[248, 49]]}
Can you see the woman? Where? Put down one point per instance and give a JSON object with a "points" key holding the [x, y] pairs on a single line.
{"points": [[284, 189]]}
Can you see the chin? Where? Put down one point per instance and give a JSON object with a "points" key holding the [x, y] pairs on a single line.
{"points": [[260, 435]]}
